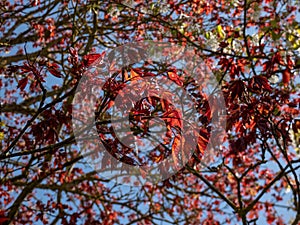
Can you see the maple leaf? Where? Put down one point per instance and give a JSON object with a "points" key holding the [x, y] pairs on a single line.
{"points": [[39, 138], [133, 75], [55, 72], [91, 58], [174, 77], [237, 88], [73, 52], [175, 150], [173, 118], [290, 63], [286, 76], [22, 83], [3, 220]]}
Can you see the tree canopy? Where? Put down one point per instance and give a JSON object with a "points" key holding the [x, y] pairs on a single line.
{"points": [[208, 90]]}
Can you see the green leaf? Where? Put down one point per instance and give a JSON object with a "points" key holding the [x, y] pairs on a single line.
{"points": [[220, 31], [276, 112], [275, 36], [273, 23], [207, 35]]}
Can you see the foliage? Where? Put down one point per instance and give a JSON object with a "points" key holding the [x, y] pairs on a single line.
{"points": [[252, 48]]}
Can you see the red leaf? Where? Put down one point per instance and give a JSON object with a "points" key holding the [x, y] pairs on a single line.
{"points": [[134, 75], [110, 104], [173, 118], [263, 82], [233, 71], [286, 76], [25, 68], [73, 52], [266, 66], [270, 219], [167, 183], [175, 150], [277, 58], [22, 83], [91, 58], [237, 88], [55, 72], [174, 77], [202, 140], [53, 65], [290, 63], [3, 219]]}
